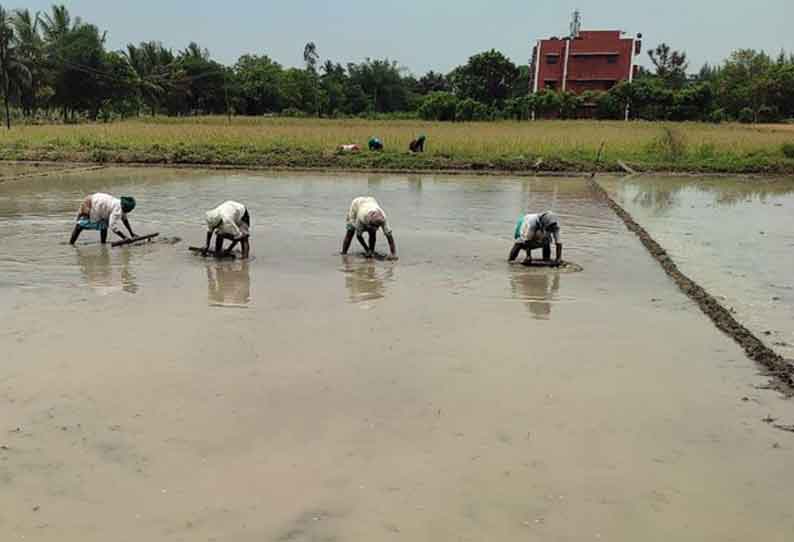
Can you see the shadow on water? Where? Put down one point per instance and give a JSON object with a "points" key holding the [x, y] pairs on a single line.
{"points": [[537, 289], [106, 273], [229, 284], [366, 278]]}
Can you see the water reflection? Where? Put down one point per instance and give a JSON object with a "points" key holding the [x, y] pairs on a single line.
{"points": [[106, 273], [663, 194], [366, 279], [229, 284], [537, 288]]}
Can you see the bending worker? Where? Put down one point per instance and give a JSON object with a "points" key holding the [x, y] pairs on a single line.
{"points": [[229, 220], [102, 212], [537, 231], [365, 214]]}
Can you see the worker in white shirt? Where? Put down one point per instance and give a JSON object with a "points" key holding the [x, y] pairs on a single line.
{"points": [[103, 212], [535, 231], [366, 215], [229, 220]]}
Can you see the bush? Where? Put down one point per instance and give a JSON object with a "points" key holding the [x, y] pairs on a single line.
{"points": [[439, 106], [294, 112], [718, 116], [746, 116], [470, 110], [768, 114], [788, 150]]}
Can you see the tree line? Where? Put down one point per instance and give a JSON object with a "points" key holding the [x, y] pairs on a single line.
{"points": [[54, 65]]}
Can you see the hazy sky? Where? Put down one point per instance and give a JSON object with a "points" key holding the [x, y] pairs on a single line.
{"points": [[430, 34]]}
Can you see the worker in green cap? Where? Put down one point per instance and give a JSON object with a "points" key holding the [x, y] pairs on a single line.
{"points": [[103, 212], [418, 144], [375, 144]]}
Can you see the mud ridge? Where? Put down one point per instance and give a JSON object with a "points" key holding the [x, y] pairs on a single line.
{"points": [[780, 369], [51, 172]]}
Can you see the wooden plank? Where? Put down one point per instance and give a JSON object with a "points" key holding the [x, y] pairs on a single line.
{"points": [[625, 167], [130, 241]]}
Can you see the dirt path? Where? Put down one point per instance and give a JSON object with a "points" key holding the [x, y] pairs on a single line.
{"points": [[780, 369]]}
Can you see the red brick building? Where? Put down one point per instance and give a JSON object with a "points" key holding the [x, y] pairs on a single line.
{"points": [[587, 60]]}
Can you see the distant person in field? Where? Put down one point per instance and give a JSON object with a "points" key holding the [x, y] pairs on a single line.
{"points": [[535, 231], [366, 215], [229, 221], [418, 144], [375, 144], [102, 212]]}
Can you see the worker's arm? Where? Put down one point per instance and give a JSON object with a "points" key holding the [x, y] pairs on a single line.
{"points": [[207, 244], [113, 222], [127, 225], [348, 239], [514, 252], [392, 246]]}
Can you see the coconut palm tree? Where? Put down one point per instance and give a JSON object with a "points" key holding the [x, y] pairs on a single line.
{"points": [[311, 57], [13, 72], [30, 49], [58, 23]]}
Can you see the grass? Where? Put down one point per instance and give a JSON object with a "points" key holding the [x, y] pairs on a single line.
{"points": [[507, 146]]}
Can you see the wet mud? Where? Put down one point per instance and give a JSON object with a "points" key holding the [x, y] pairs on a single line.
{"points": [[776, 366]]}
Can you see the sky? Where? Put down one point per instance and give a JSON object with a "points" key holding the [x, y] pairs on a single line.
{"points": [[427, 35]]}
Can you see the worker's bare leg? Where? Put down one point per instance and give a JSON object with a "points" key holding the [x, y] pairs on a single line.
{"points": [[373, 238], [246, 246], [103, 236], [528, 259], [547, 252], [218, 245]]}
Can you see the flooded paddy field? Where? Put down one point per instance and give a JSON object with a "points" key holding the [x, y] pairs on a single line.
{"points": [[733, 236], [147, 394]]}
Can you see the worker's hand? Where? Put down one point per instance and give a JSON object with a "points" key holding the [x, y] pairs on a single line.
{"points": [[369, 255], [392, 257], [556, 263]]}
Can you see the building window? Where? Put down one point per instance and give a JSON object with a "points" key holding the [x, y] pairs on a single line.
{"points": [[612, 59], [551, 59]]}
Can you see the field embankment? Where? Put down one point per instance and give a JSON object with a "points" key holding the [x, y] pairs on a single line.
{"points": [[505, 146]]}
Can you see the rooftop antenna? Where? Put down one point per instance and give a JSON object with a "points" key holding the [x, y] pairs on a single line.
{"points": [[576, 24]]}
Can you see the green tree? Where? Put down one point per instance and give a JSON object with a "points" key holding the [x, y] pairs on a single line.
{"points": [[14, 75], [487, 77], [151, 72], [78, 58], [259, 80], [471, 110], [670, 65], [30, 51], [745, 82], [439, 106], [310, 58]]}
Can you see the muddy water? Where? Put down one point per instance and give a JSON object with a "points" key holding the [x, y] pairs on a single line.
{"points": [[734, 237], [146, 394]]}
